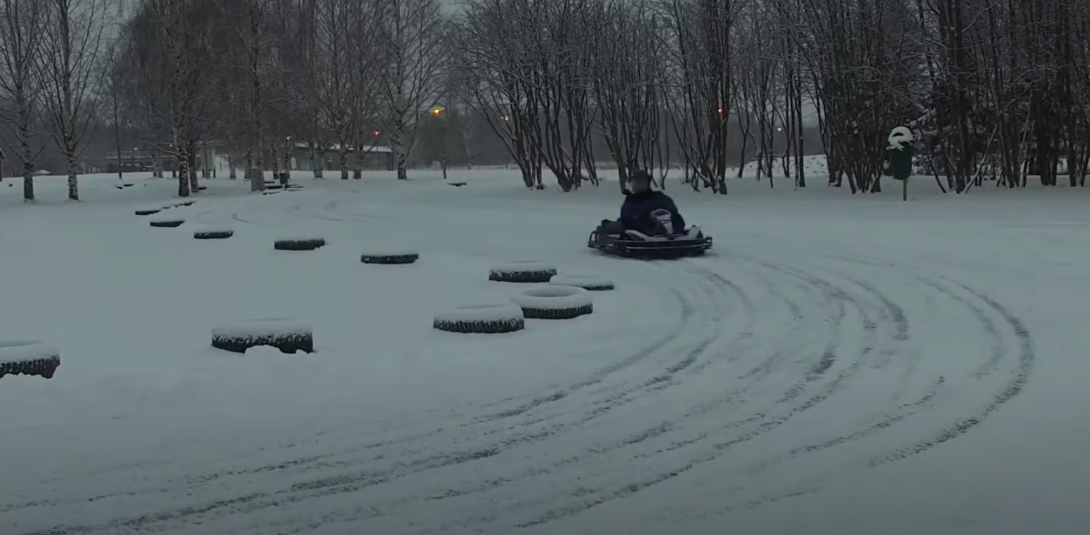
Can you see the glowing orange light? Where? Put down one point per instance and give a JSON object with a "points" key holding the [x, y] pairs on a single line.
{"points": [[437, 111]]}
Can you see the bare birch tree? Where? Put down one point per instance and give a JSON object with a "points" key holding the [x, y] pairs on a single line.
{"points": [[20, 43], [337, 94], [70, 72], [251, 58], [168, 51], [413, 42]]}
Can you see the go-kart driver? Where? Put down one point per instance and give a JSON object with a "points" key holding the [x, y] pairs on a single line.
{"points": [[640, 203]]}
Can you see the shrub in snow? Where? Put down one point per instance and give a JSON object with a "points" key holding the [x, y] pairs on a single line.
{"points": [[286, 335], [389, 257], [298, 244], [591, 283], [554, 302], [522, 271], [167, 222], [28, 358], [484, 319], [213, 234], [150, 211]]}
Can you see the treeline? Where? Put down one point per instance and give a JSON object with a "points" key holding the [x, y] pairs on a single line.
{"points": [[994, 90]]}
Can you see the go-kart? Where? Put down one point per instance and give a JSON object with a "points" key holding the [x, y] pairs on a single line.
{"points": [[613, 239]]}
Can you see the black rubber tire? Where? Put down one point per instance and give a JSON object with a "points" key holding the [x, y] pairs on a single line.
{"points": [[554, 302], [557, 313], [390, 259], [586, 282], [286, 342], [299, 244], [147, 212], [505, 319], [43, 365], [174, 223], [213, 234], [534, 272]]}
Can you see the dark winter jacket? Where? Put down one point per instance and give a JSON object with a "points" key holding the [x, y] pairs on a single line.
{"points": [[637, 208]]}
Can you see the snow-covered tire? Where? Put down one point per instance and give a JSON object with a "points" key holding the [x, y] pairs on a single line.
{"points": [[28, 358], [286, 335], [554, 302], [213, 234], [527, 271], [389, 257], [151, 211], [482, 319], [298, 244], [167, 223], [591, 283]]}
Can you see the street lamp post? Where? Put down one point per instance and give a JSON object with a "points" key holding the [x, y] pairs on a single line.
{"points": [[439, 112]]}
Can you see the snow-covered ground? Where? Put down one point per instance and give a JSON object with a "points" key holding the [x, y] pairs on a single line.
{"points": [[839, 365]]}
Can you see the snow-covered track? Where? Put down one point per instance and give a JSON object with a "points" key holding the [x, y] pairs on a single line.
{"points": [[772, 381]]}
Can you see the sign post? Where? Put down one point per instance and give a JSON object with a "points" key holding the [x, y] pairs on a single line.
{"points": [[900, 157]]}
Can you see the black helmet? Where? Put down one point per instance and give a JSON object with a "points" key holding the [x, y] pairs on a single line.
{"points": [[640, 174]]}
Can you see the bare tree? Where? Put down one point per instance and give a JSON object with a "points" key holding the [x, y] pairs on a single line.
{"points": [[338, 98], [703, 44], [251, 57], [168, 51], [412, 40], [628, 83], [70, 71], [20, 42], [499, 78]]}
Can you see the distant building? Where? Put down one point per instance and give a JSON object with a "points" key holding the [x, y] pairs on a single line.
{"points": [[143, 160], [377, 157], [302, 159]]}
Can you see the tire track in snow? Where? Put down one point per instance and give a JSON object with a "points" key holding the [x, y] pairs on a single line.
{"points": [[900, 321], [1012, 387], [761, 424], [328, 212], [926, 402], [343, 483], [748, 428], [353, 483]]}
